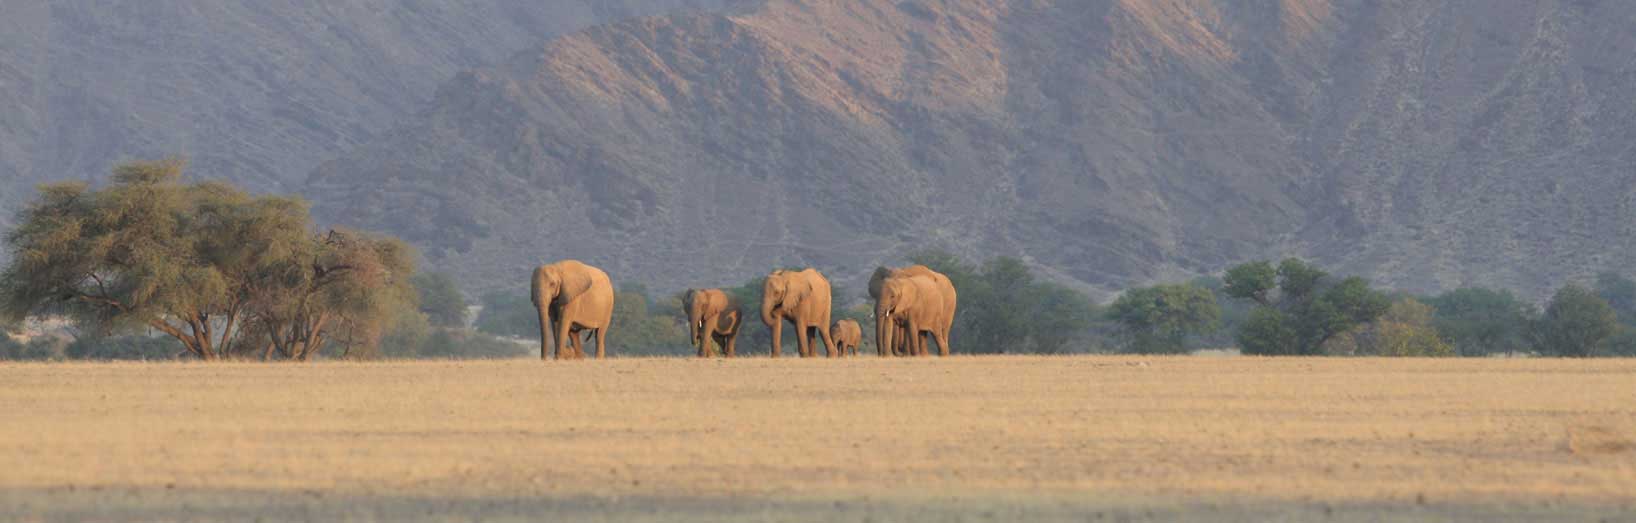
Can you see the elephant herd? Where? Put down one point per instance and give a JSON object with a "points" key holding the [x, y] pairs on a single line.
{"points": [[912, 304]]}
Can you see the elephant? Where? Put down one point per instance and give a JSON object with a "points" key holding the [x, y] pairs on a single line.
{"points": [[712, 314], [802, 297], [847, 334], [572, 297], [911, 302]]}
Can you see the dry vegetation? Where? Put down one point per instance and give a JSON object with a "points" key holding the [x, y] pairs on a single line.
{"points": [[981, 438]]}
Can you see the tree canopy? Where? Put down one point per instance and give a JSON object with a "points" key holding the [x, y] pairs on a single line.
{"points": [[440, 299], [1574, 323], [1159, 319], [1004, 309], [222, 272], [1304, 311], [1481, 321]]}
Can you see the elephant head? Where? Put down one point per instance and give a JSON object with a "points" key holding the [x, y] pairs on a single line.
{"points": [[552, 285], [782, 290], [894, 297], [704, 308]]}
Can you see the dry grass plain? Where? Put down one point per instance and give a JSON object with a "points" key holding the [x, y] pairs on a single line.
{"points": [[955, 439]]}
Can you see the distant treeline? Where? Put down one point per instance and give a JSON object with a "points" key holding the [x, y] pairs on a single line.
{"points": [[151, 268]]}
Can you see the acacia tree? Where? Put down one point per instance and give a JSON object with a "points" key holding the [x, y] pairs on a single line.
{"points": [[440, 299], [196, 262], [342, 282], [1004, 309], [1481, 321], [1405, 330], [1574, 323], [1304, 311], [1158, 319]]}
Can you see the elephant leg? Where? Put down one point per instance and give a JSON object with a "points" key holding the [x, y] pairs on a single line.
{"points": [[727, 345], [803, 340], [943, 343], [814, 347], [562, 339], [575, 350], [601, 343], [778, 331], [829, 342], [902, 342], [913, 340]]}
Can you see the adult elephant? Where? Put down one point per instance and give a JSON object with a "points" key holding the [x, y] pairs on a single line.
{"points": [[911, 302], [802, 298], [572, 297], [712, 315]]}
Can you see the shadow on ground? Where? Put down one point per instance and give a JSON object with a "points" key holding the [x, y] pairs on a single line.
{"points": [[114, 504]]}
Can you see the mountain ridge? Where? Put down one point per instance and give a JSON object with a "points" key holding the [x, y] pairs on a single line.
{"points": [[256, 92]]}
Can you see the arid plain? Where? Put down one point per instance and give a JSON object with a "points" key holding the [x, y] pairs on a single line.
{"points": [[964, 439]]}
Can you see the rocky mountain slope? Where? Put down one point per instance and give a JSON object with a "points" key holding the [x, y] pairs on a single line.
{"points": [[256, 91], [1426, 144]]}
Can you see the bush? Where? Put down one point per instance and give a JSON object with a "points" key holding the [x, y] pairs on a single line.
{"points": [[1621, 343], [1265, 334], [636, 332], [446, 343], [1002, 309], [123, 348], [1158, 319], [1481, 321], [440, 299], [1575, 322], [509, 314], [1405, 330], [1305, 310], [41, 348]]}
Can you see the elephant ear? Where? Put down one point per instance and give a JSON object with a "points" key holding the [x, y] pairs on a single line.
{"points": [[687, 299], [708, 303], [876, 280], [798, 291], [574, 283]]}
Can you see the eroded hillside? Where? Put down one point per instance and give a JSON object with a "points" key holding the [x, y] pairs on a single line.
{"points": [[258, 92]]}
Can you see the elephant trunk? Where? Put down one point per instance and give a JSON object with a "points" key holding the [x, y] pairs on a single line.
{"points": [[883, 331], [693, 326], [708, 332], [767, 312], [544, 307]]}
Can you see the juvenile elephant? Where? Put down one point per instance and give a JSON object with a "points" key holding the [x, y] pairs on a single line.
{"points": [[911, 302], [847, 335], [712, 314], [802, 297], [572, 297]]}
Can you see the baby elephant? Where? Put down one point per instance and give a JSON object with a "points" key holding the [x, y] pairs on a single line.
{"points": [[846, 334]]}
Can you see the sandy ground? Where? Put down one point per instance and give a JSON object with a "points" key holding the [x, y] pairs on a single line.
{"points": [[955, 439]]}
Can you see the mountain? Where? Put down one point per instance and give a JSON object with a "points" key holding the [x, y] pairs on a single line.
{"points": [[255, 91], [1428, 145]]}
